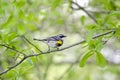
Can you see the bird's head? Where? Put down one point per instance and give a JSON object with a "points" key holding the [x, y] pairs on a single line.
{"points": [[61, 35]]}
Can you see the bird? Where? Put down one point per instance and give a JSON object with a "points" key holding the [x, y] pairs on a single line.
{"points": [[53, 41]]}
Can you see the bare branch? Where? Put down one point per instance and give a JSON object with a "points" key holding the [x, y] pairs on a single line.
{"points": [[82, 8], [32, 55]]}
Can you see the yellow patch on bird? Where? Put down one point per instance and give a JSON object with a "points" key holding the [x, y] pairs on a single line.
{"points": [[59, 42]]}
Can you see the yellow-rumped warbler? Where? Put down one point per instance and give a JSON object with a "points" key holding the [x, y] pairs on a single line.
{"points": [[54, 41]]}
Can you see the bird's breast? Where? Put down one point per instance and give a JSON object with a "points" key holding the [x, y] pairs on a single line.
{"points": [[55, 44], [59, 42]]}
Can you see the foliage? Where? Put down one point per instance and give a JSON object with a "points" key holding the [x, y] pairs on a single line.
{"points": [[42, 18]]}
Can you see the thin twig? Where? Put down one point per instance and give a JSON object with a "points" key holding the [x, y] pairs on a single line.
{"points": [[32, 55], [32, 44], [12, 49], [82, 8]]}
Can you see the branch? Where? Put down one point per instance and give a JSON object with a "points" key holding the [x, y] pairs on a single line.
{"points": [[80, 7], [32, 55], [77, 60], [10, 68], [12, 49], [98, 11]]}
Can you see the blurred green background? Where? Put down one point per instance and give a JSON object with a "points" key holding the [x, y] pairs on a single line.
{"points": [[44, 18]]}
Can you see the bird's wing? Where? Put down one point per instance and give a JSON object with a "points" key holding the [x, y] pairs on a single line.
{"points": [[53, 38]]}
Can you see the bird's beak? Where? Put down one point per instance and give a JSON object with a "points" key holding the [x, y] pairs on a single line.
{"points": [[64, 36]]}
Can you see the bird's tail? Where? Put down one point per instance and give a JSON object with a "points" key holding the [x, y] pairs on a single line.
{"points": [[38, 39]]}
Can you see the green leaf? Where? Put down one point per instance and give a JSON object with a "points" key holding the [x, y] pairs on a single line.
{"points": [[20, 3], [90, 35], [0, 36], [21, 14], [85, 57], [21, 29], [91, 26], [92, 45], [96, 44], [100, 59], [117, 33], [12, 74], [11, 36], [60, 21], [115, 13], [82, 19], [99, 47], [5, 65], [56, 3], [9, 20]]}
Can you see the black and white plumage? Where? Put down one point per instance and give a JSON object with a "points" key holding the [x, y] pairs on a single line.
{"points": [[53, 41]]}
